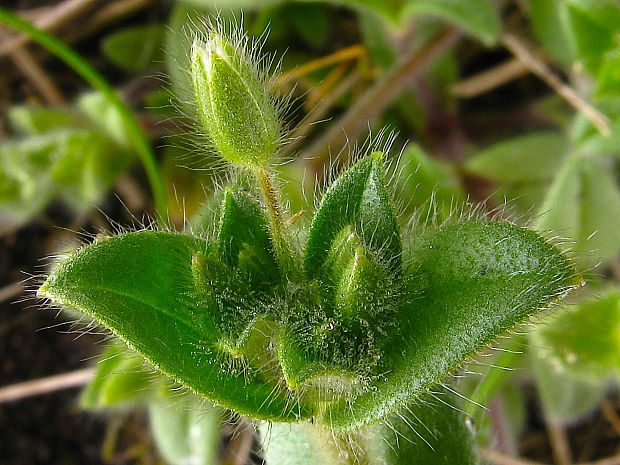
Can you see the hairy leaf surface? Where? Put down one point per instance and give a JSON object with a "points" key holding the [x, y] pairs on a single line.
{"points": [[462, 286], [140, 285], [469, 283]]}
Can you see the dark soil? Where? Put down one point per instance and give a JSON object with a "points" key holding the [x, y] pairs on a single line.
{"points": [[35, 343]]}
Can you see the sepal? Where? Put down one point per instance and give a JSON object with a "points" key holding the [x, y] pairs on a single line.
{"points": [[358, 198]]}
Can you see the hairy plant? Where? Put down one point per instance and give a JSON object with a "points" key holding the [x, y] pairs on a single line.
{"points": [[345, 324]]}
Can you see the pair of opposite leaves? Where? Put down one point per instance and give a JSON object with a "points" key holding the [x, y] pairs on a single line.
{"points": [[368, 323]]}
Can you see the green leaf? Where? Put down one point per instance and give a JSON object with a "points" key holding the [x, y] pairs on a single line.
{"points": [[27, 186], [588, 140], [549, 20], [429, 186], [608, 79], [575, 356], [484, 24], [105, 117], [228, 5], [311, 22], [565, 398], [208, 215], [561, 208], [377, 39], [244, 239], [30, 120], [135, 48], [583, 204], [595, 24], [77, 164], [121, 379], [297, 444], [584, 338], [141, 286], [358, 198], [600, 212], [389, 9], [186, 430], [522, 168], [527, 158], [89, 164], [432, 430], [469, 283]]}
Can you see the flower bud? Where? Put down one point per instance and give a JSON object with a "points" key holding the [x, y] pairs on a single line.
{"points": [[237, 112]]}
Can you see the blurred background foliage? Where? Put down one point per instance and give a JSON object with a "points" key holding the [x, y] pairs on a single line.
{"points": [[511, 105]]}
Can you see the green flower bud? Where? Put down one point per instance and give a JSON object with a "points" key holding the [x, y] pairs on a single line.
{"points": [[237, 112]]}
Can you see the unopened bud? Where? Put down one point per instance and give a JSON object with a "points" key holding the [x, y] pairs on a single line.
{"points": [[237, 111]]}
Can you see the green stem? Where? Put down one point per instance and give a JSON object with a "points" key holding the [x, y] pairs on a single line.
{"points": [[306, 444], [276, 222], [80, 66]]}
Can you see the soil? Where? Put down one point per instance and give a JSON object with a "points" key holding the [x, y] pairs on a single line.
{"points": [[35, 343]]}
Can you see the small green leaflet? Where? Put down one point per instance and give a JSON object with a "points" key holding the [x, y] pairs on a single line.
{"points": [[186, 430], [356, 198], [583, 205], [135, 48], [484, 24], [122, 379]]}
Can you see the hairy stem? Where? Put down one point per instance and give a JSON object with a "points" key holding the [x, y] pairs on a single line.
{"points": [[276, 221], [80, 66]]}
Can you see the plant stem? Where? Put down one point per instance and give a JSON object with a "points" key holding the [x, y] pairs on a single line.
{"points": [[319, 111], [501, 459], [52, 18], [560, 446], [276, 222], [491, 78], [40, 386], [346, 54], [80, 66], [520, 50], [11, 290], [372, 103], [31, 69]]}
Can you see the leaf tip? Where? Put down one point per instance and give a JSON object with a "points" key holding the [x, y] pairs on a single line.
{"points": [[43, 291]]}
